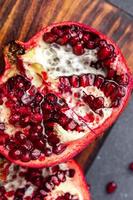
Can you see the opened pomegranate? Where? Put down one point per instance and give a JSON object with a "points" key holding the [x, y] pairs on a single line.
{"points": [[61, 182], [59, 91]]}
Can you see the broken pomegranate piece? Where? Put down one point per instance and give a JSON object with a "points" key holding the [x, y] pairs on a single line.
{"points": [[59, 92], [64, 181]]}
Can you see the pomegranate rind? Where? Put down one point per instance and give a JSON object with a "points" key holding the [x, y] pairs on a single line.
{"points": [[76, 146], [78, 182]]}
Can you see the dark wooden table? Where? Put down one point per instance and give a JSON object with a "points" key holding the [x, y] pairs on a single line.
{"points": [[21, 19]]}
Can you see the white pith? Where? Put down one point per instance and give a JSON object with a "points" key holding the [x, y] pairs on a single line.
{"points": [[14, 181]]}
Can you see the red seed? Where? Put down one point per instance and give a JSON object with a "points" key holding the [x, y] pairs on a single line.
{"points": [[25, 157], [122, 79], [59, 148], [90, 45], [74, 41], [3, 137], [64, 40], [49, 37], [91, 78], [48, 151], [74, 81], [15, 154], [131, 166], [98, 103], [71, 173], [111, 187], [20, 137], [105, 52], [55, 180], [98, 81], [111, 73], [27, 145], [78, 49], [84, 80], [108, 88], [86, 38], [35, 154]]}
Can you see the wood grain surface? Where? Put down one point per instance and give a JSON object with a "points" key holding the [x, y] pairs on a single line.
{"points": [[21, 19]]}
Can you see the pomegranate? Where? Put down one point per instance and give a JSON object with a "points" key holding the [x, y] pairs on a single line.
{"points": [[111, 187], [60, 90], [61, 182]]}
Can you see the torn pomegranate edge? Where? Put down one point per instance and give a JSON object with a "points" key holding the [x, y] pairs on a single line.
{"points": [[97, 132], [79, 176]]}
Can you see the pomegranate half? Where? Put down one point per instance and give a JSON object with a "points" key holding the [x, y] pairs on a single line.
{"points": [[61, 182], [60, 90]]}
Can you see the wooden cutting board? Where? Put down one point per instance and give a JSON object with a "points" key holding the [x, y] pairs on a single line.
{"points": [[21, 19]]}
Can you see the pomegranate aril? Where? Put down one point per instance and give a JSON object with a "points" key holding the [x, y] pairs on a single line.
{"points": [[74, 81], [25, 156], [104, 53], [90, 44], [63, 119], [78, 49], [98, 103], [27, 99], [38, 98], [48, 151], [61, 176], [122, 79], [99, 79], [20, 137], [121, 92], [55, 180], [2, 190], [51, 98], [84, 80], [40, 144], [15, 154], [35, 154], [53, 139], [131, 166], [37, 118], [14, 119], [108, 88], [88, 99], [49, 37], [115, 103], [91, 78], [37, 180], [27, 145], [86, 38], [73, 41], [111, 73], [10, 144], [34, 136], [3, 137], [58, 149], [70, 173], [57, 31], [20, 192], [111, 187], [63, 40]]}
